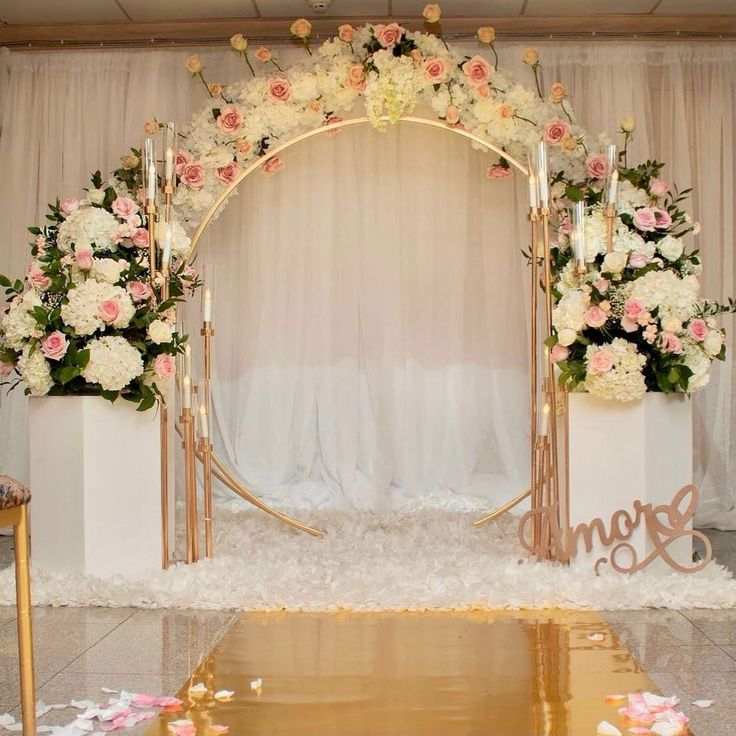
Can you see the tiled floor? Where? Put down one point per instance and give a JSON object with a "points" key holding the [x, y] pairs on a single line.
{"points": [[78, 651]]}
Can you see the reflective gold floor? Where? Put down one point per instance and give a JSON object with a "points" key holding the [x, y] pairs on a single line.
{"points": [[485, 673]]}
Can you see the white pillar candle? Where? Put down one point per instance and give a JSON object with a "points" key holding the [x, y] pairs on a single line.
{"points": [[188, 359], [542, 174], [533, 203], [203, 426], [613, 187], [186, 392], [207, 306], [152, 183], [545, 421]]}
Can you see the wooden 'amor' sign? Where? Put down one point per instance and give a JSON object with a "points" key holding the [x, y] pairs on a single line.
{"points": [[664, 524]]}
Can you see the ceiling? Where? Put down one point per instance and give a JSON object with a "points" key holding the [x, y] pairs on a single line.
{"points": [[94, 11]]}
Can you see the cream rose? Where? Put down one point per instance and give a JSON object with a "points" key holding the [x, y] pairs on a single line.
{"points": [[159, 332], [614, 262], [239, 42], [486, 34], [194, 64], [301, 28], [627, 124], [531, 57], [346, 33], [432, 13]]}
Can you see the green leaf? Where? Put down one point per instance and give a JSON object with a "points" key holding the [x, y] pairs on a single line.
{"points": [[147, 402], [573, 193], [109, 396], [4, 281], [67, 373]]}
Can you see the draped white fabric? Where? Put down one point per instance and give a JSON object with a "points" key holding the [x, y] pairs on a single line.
{"points": [[370, 297]]}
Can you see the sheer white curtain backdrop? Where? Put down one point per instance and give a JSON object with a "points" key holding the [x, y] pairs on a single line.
{"points": [[398, 357]]}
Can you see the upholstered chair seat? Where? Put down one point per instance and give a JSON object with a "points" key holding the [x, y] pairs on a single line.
{"points": [[12, 493]]}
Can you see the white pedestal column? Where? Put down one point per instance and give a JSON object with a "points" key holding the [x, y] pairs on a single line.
{"points": [[621, 452], [95, 484]]}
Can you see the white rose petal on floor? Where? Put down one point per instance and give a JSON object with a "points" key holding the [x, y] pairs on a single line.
{"points": [[415, 559]]}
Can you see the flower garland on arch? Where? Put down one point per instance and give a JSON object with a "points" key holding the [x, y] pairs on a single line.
{"points": [[82, 320]]}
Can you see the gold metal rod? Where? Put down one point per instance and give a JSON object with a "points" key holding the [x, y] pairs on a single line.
{"points": [[225, 193], [506, 507], [205, 454], [226, 478], [164, 429], [533, 348], [610, 214], [150, 210], [25, 627], [192, 460], [551, 382]]}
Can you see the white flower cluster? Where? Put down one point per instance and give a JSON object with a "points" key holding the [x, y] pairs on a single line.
{"points": [[35, 371], [625, 380], [18, 324], [88, 227], [674, 296], [83, 311], [568, 316], [392, 88], [113, 363], [108, 270]]}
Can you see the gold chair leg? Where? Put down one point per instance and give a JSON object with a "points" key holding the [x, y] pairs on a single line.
{"points": [[25, 635]]}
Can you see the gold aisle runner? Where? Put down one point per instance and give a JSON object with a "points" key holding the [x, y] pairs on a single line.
{"points": [[528, 673]]}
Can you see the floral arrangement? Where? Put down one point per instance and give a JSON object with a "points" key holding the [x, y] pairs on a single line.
{"points": [[86, 319], [635, 322]]}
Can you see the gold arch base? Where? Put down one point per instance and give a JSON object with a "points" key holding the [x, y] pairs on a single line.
{"points": [[219, 469]]}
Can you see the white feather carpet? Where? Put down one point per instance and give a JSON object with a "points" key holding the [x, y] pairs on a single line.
{"points": [[423, 559]]}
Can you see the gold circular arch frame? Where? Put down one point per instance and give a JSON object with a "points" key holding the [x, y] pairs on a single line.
{"points": [[220, 470]]}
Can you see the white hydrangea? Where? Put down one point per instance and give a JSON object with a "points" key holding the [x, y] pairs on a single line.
{"points": [[630, 198], [671, 247], [628, 241], [696, 359], [81, 313], [108, 269], [113, 363], [596, 234], [88, 227], [35, 371], [674, 296], [568, 316], [625, 381], [18, 325]]}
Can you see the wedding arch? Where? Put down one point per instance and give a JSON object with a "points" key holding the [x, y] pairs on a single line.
{"points": [[624, 315]]}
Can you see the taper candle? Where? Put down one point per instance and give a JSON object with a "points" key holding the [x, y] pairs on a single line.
{"points": [[545, 421], [613, 188], [186, 393], [542, 174], [204, 430], [152, 183], [169, 166], [533, 202], [188, 359], [207, 306]]}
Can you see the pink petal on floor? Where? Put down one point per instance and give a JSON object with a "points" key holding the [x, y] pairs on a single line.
{"points": [[218, 730], [198, 690], [596, 637], [167, 701], [607, 729], [224, 695], [666, 729], [142, 700], [614, 699], [636, 698]]}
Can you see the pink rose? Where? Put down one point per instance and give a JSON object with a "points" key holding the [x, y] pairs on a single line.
{"points": [[595, 317], [67, 206], [84, 260], [698, 329], [637, 259], [602, 285], [356, 77], [140, 238], [38, 279], [139, 291], [559, 353], [662, 218], [388, 36], [228, 174], [555, 131], [499, 172], [181, 159], [229, 120], [187, 278], [264, 55], [272, 165], [124, 207], [483, 91], [435, 70], [506, 111], [55, 345], [670, 342], [346, 33], [109, 311], [600, 362], [452, 115], [477, 70], [164, 365], [279, 89], [645, 220], [5, 369], [597, 166], [658, 188], [193, 176], [634, 309]]}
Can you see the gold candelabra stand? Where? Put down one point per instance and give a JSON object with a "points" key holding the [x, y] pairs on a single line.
{"points": [[207, 333]]}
